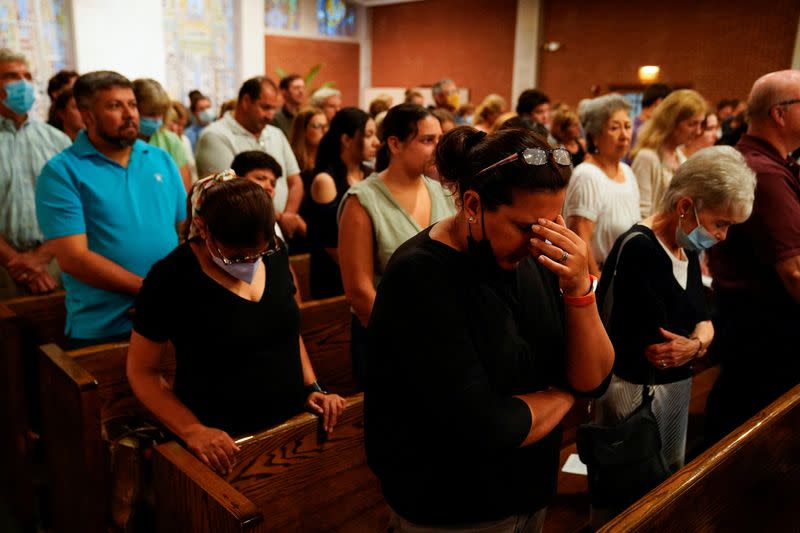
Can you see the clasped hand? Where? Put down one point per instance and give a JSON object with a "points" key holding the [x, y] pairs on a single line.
{"points": [[30, 269], [676, 350], [566, 255]]}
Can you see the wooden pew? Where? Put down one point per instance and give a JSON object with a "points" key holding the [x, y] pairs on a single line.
{"points": [[83, 388], [749, 481], [301, 265], [289, 478], [24, 324]]}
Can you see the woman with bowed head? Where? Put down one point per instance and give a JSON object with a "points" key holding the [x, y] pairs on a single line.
{"points": [[349, 143], [488, 318], [380, 213], [225, 299], [659, 322], [657, 154], [566, 130], [705, 139], [602, 197]]}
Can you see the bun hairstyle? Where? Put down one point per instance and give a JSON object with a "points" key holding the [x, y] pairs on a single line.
{"points": [[238, 212], [465, 151], [401, 122]]}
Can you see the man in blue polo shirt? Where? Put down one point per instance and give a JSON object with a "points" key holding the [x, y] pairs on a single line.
{"points": [[108, 206]]}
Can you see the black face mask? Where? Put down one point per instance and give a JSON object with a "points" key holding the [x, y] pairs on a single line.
{"points": [[481, 251]]}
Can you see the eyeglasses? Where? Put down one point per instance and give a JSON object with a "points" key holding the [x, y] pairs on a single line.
{"points": [[273, 248], [323, 127], [535, 157], [789, 102]]}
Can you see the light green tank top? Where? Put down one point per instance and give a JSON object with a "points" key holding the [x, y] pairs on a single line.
{"points": [[392, 225]]}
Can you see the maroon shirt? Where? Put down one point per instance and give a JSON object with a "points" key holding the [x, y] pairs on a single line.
{"points": [[744, 264]]}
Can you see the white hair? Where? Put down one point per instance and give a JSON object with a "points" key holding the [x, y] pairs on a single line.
{"points": [[322, 94], [716, 177], [10, 56]]}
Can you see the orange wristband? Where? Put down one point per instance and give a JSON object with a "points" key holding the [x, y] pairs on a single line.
{"points": [[582, 301]]}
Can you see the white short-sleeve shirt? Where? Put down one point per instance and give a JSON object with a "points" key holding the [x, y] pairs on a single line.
{"points": [[611, 205]]}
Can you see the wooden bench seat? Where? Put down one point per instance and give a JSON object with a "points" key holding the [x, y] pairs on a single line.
{"points": [[289, 478], [749, 481], [83, 388], [25, 323]]}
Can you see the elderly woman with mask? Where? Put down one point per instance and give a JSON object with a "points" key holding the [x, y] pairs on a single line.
{"points": [[658, 321], [602, 199]]}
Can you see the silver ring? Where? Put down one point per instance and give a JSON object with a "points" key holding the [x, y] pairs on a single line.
{"points": [[564, 257]]}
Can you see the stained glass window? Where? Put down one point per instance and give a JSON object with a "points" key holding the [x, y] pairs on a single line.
{"points": [[281, 14], [200, 46], [41, 31], [336, 18]]}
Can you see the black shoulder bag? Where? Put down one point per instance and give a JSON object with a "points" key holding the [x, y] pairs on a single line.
{"points": [[625, 460]]}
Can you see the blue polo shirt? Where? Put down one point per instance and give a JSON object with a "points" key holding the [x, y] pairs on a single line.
{"points": [[128, 214]]}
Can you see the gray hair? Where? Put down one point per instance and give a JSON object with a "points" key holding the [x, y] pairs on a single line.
{"points": [[322, 94], [439, 85], [8, 55], [91, 83], [716, 177], [595, 112]]}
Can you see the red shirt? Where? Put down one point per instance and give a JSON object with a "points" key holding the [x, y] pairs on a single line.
{"points": [[744, 264]]}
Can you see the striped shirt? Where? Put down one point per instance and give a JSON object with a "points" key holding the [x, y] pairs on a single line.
{"points": [[23, 153]]}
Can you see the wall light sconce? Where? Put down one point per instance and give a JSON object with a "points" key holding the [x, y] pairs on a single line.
{"points": [[649, 73], [551, 46]]}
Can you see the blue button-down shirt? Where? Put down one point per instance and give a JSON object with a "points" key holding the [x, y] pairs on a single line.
{"points": [[128, 214], [23, 153]]}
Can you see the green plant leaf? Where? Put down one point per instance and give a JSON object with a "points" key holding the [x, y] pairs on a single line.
{"points": [[312, 72], [281, 73]]}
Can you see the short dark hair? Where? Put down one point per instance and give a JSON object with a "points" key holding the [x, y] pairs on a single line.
{"points": [[195, 97], [59, 80], [287, 80], [253, 86], [529, 100], [60, 103], [88, 85], [655, 92], [727, 102], [255, 159], [464, 151], [238, 213]]}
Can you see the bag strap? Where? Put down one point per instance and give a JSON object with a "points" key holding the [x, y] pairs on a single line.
{"points": [[608, 306]]}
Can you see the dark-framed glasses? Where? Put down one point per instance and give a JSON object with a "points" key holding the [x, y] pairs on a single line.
{"points": [[789, 102], [273, 248], [534, 157]]}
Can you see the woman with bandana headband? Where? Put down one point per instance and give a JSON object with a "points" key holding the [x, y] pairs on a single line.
{"points": [[659, 322], [225, 299], [488, 318]]}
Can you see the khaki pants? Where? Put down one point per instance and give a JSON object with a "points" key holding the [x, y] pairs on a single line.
{"points": [[11, 289]]}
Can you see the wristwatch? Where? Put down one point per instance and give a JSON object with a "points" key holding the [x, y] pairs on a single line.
{"points": [[315, 387]]}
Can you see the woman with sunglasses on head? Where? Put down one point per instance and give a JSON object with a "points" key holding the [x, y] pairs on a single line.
{"points": [[488, 319], [659, 321], [382, 212], [225, 300]]}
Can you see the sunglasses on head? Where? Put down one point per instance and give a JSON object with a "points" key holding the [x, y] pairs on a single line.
{"points": [[273, 248], [534, 157]]}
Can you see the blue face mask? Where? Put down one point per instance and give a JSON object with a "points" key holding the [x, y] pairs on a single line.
{"points": [[20, 96], [243, 271], [206, 116], [697, 240], [148, 126]]}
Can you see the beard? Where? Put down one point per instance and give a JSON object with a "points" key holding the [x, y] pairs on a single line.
{"points": [[118, 138]]}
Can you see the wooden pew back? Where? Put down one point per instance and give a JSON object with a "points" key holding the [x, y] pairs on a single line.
{"points": [[24, 324], [749, 481], [301, 264], [289, 478], [325, 327]]}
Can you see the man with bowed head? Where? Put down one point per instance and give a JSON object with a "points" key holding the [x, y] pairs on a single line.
{"points": [[108, 207], [26, 264], [248, 127], [757, 269]]}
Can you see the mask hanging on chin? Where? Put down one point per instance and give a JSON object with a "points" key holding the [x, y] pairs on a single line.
{"points": [[481, 251], [698, 239]]}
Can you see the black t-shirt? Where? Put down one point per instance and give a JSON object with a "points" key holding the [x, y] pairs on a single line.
{"points": [[647, 296], [449, 346], [325, 278], [238, 361]]}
